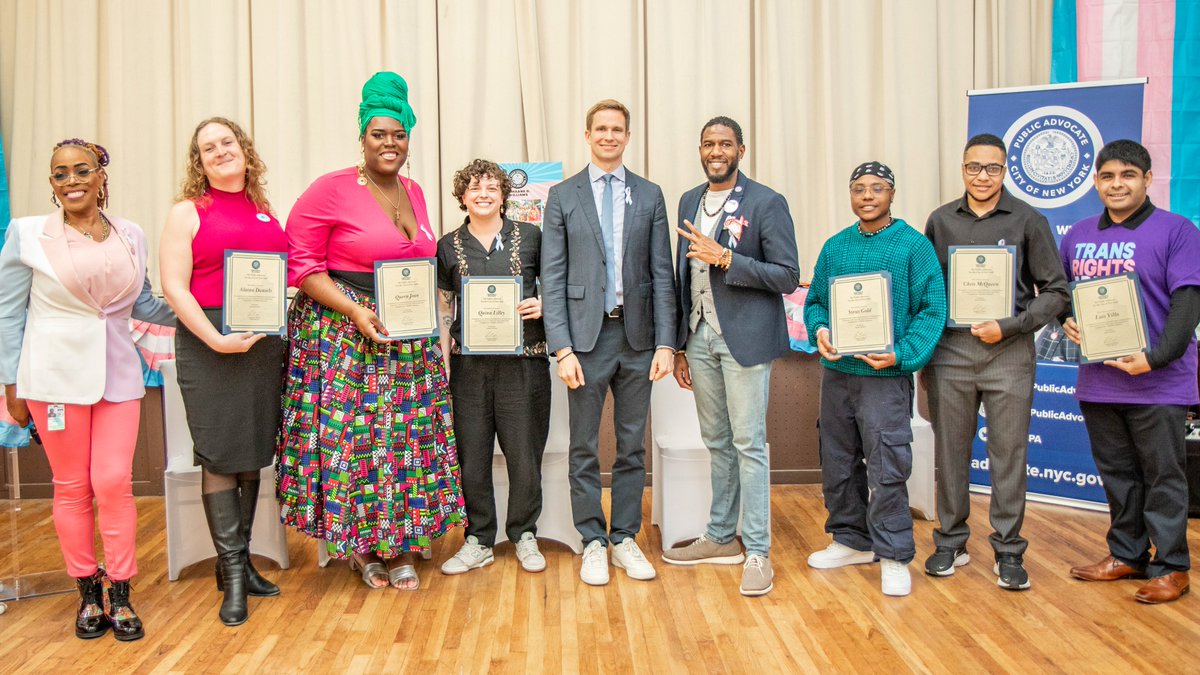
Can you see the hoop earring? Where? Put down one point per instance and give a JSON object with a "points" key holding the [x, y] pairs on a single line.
{"points": [[101, 197]]}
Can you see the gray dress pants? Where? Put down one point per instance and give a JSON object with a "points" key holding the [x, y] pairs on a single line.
{"points": [[612, 363], [964, 373]]}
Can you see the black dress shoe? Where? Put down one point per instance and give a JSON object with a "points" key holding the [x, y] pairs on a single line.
{"points": [[90, 621], [125, 622]]}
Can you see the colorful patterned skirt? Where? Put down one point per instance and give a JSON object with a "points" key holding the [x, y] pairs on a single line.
{"points": [[366, 458]]}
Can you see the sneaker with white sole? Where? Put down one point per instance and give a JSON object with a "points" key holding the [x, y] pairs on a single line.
{"points": [[894, 578], [531, 558], [945, 559], [1010, 571], [472, 555], [839, 555], [757, 576], [628, 557], [594, 570], [705, 550]]}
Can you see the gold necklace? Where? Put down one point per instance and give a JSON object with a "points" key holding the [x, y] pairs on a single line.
{"points": [[88, 235], [395, 205]]}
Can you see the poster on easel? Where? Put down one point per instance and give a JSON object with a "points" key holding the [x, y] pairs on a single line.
{"points": [[531, 183]]}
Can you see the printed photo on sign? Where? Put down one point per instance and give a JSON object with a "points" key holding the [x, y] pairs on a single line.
{"points": [[531, 183]]}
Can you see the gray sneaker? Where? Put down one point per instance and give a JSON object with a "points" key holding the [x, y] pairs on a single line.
{"points": [[757, 577], [705, 550]]}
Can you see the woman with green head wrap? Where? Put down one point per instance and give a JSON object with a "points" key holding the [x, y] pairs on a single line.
{"points": [[367, 461]]}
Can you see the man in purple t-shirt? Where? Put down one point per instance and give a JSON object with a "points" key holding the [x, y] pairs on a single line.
{"points": [[1134, 406]]}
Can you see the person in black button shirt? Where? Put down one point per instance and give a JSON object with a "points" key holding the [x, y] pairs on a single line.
{"points": [[496, 396], [992, 363]]}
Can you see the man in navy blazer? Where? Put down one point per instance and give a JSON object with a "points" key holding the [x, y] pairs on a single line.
{"points": [[608, 303], [736, 259]]}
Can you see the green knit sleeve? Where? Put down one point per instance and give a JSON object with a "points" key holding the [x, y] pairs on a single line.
{"points": [[816, 306], [927, 303]]}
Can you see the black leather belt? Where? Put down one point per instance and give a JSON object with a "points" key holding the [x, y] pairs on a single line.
{"points": [[617, 313]]}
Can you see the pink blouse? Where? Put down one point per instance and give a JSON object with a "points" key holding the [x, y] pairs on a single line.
{"points": [[104, 268], [337, 225], [228, 220]]}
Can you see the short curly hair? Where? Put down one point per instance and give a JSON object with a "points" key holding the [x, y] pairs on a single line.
{"points": [[477, 169]]}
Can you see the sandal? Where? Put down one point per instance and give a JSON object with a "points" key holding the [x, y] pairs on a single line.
{"points": [[370, 571], [400, 574]]}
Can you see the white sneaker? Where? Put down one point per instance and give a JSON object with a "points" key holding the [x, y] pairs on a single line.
{"points": [[594, 570], [628, 557], [531, 558], [894, 578], [472, 555], [839, 555]]}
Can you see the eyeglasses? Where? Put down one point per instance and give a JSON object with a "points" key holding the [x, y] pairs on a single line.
{"points": [[993, 170], [80, 175], [876, 189]]}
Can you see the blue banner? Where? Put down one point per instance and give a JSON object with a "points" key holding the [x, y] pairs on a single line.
{"points": [[1059, 463], [1053, 134]]}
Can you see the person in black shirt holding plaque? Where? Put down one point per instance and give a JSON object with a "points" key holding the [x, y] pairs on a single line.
{"points": [[488, 271]]}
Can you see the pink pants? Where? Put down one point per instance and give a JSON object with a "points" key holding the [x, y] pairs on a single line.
{"points": [[93, 458]]}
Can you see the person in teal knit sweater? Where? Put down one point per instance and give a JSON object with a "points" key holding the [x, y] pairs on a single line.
{"points": [[866, 401]]}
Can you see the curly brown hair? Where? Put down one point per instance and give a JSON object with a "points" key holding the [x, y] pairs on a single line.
{"points": [[477, 169], [195, 183]]}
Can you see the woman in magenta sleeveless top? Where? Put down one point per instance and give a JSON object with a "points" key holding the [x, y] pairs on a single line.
{"points": [[231, 384]]}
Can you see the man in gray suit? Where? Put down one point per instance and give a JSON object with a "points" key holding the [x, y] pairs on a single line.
{"points": [[608, 301]]}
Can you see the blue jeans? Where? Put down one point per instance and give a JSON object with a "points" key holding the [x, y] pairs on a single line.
{"points": [[731, 402]]}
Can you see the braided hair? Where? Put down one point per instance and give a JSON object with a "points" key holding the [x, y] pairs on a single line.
{"points": [[98, 153]]}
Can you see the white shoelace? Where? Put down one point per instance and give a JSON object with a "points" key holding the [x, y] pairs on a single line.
{"points": [[754, 560], [632, 549], [527, 547], [471, 552], [595, 557]]}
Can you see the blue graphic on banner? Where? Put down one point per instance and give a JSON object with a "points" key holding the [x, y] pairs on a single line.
{"points": [[1059, 461], [1053, 135]]}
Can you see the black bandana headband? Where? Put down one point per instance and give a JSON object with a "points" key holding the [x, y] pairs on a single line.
{"points": [[874, 169]]}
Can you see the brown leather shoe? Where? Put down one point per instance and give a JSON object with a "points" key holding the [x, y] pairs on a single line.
{"points": [[1162, 589], [1109, 569]]}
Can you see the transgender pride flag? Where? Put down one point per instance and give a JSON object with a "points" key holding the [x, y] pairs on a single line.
{"points": [[1156, 39]]}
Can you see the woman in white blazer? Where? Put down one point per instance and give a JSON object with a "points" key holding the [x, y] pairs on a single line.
{"points": [[69, 283]]}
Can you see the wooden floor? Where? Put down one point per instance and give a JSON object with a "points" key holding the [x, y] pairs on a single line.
{"points": [[501, 620]]}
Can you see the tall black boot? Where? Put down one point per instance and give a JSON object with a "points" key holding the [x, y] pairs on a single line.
{"points": [[90, 621], [255, 583], [225, 524], [125, 622]]}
